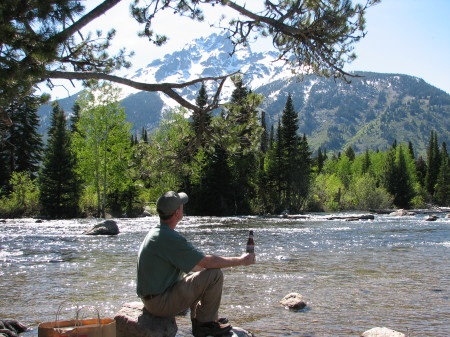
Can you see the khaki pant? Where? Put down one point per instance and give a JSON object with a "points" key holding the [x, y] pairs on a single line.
{"points": [[200, 291]]}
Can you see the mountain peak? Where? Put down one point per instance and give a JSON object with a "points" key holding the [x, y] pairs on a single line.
{"points": [[208, 56]]}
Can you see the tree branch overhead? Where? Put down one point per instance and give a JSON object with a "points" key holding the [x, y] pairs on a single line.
{"points": [[43, 41]]}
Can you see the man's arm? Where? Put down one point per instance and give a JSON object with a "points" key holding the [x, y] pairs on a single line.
{"points": [[213, 261]]}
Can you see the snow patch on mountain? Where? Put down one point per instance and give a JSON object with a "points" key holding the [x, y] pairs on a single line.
{"points": [[210, 56]]}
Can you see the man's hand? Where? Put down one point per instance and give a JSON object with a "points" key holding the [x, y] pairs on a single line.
{"points": [[248, 259]]}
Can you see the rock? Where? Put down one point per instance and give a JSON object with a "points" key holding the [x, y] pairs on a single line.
{"points": [[11, 327], [380, 211], [366, 217], [431, 218], [146, 213], [447, 216], [297, 216], [239, 332], [107, 227], [352, 217], [133, 320], [382, 332], [293, 301], [399, 212], [402, 212]]}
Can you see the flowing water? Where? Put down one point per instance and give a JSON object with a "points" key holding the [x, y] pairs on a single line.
{"points": [[392, 271]]}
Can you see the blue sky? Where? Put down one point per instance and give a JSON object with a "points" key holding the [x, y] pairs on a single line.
{"points": [[409, 37], [403, 36]]}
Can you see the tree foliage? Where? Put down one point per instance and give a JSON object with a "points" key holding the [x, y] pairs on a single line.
{"points": [[295, 159], [102, 143], [23, 199], [241, 129], [433, 163], [161, 164], [20, 143], [442, 187], [59, 183]]}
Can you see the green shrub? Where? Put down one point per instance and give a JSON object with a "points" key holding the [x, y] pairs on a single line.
{"points": [[23, 200]]}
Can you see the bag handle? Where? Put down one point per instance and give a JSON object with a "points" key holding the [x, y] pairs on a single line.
{"points": [[77, 313], [60, 308], [88, 307]]}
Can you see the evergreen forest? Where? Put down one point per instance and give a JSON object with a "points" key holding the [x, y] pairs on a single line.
{"points": [[229, 163]]}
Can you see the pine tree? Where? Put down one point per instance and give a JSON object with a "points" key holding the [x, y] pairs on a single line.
{"points": [[433, 163], [289, 128], [442, 190], [211, 194], [403, 185], [264, 135], [20, 144], [144, 135], [261, 178], [366, 162], [411, 149], [396, 177], [289, 144], [242, 133], [350, 153], [302, 178], [295, 163], [240, 91], [389, 174], [201, 119], [271, 136], [421, 169], [273, 168], [75, 117], [58, 181], [321, 157]]}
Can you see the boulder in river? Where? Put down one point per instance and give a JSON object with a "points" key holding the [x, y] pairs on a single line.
{"points": [[382, 332], [293, 301], [352, 217], [107, 227], [133, 320], [239, 332], [402, 212], [431, 218]]}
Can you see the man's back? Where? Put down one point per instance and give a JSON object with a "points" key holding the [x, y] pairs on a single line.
{"points": [[164, 257]]}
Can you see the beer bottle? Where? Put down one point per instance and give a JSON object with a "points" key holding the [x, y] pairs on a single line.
{"points": [[250, 243]]}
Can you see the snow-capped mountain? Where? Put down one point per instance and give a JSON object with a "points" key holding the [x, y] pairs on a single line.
{"points": [[210, 56], [370, 113]]}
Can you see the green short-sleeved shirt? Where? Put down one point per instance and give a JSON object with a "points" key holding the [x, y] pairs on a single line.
{"points": [[164, 257]]}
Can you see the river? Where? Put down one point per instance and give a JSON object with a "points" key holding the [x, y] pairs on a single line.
{"points": [[354, 275]]}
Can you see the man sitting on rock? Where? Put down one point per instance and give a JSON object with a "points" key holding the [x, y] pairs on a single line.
{"points": [[165, 257]]}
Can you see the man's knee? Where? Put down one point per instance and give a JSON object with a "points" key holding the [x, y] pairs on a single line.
{"points": [[217, 273], [214, 275]]}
